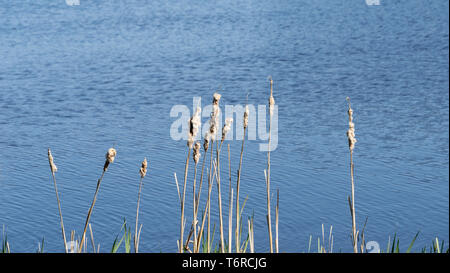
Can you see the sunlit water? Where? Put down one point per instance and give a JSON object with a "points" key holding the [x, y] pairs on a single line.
{"points": [[80, 79]]}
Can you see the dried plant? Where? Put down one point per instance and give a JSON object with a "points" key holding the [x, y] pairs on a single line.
{"points": [[351, 145], [110, 156], [142, 172], [53, 170], [269, 223]]}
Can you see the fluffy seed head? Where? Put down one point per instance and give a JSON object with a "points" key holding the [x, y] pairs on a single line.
{"points": [[194, 125], [271, 104], [143, 170], [110, 156], [206, 141], [214, 121], [216, 98], [351, 128], [53, 167], [246, 113], [196, 153], [226, 127]]}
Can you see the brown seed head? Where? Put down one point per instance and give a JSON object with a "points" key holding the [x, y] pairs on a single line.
{"points": [[196, 153], [226, 127], [246, 113], [110, 156], [143, 170], [53, 167]]}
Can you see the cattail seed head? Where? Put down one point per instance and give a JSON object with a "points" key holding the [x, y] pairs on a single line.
{"points": [[196, 153], [216, 98], [226, 127], [53, 167], [246, 113], [194, 125], [271, 104], [110, 156], [143, 170], [351, 128], [206, 141], [214, 121]]}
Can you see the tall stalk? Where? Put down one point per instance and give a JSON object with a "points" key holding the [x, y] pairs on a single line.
{"points": [[53, 169], [269, 222], [110, 155], [351, 145], [181, 244], [238, 184], [143, 172]]}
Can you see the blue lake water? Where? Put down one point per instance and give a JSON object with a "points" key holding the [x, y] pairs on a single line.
{"points": [[79, 79]]}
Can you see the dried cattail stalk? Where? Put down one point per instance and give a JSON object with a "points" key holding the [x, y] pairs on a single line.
{"points": [[351, 145], [226, 127], [53, 167], [143, 170], [110, 156], [196, 153], [246, 113]]}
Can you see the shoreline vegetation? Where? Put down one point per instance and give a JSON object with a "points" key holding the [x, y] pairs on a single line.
{"points": [[197, 234]]}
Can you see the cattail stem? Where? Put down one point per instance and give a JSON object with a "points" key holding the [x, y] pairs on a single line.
{"points": [[355, 239], [269, 223], [222, 245], [80, 246], [60, 213], [276, 220], [136, 241], [238, 185], [200, 185], [230, 212], [183, 200], [194, 209], [208, 235], [207, 208]]}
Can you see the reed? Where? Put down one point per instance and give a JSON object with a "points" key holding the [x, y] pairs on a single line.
{"points": [[238, 183], [110, 156], [142, 172], [351, 145], [53, 170], [230, 206], [269, 222], [196, 157], [194, 124]]}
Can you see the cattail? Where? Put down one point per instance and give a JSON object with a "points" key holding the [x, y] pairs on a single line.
{"points": [[216, 98], [196, 153], [53, 167], [206, 141], [143, 170], [213, 122], [110, 156], [194, 124], [226, 127], [271, 104], [351, 128], [271, 99], [246, 113]]}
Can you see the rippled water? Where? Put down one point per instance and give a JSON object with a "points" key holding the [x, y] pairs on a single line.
{"points": [[80, 79]]}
